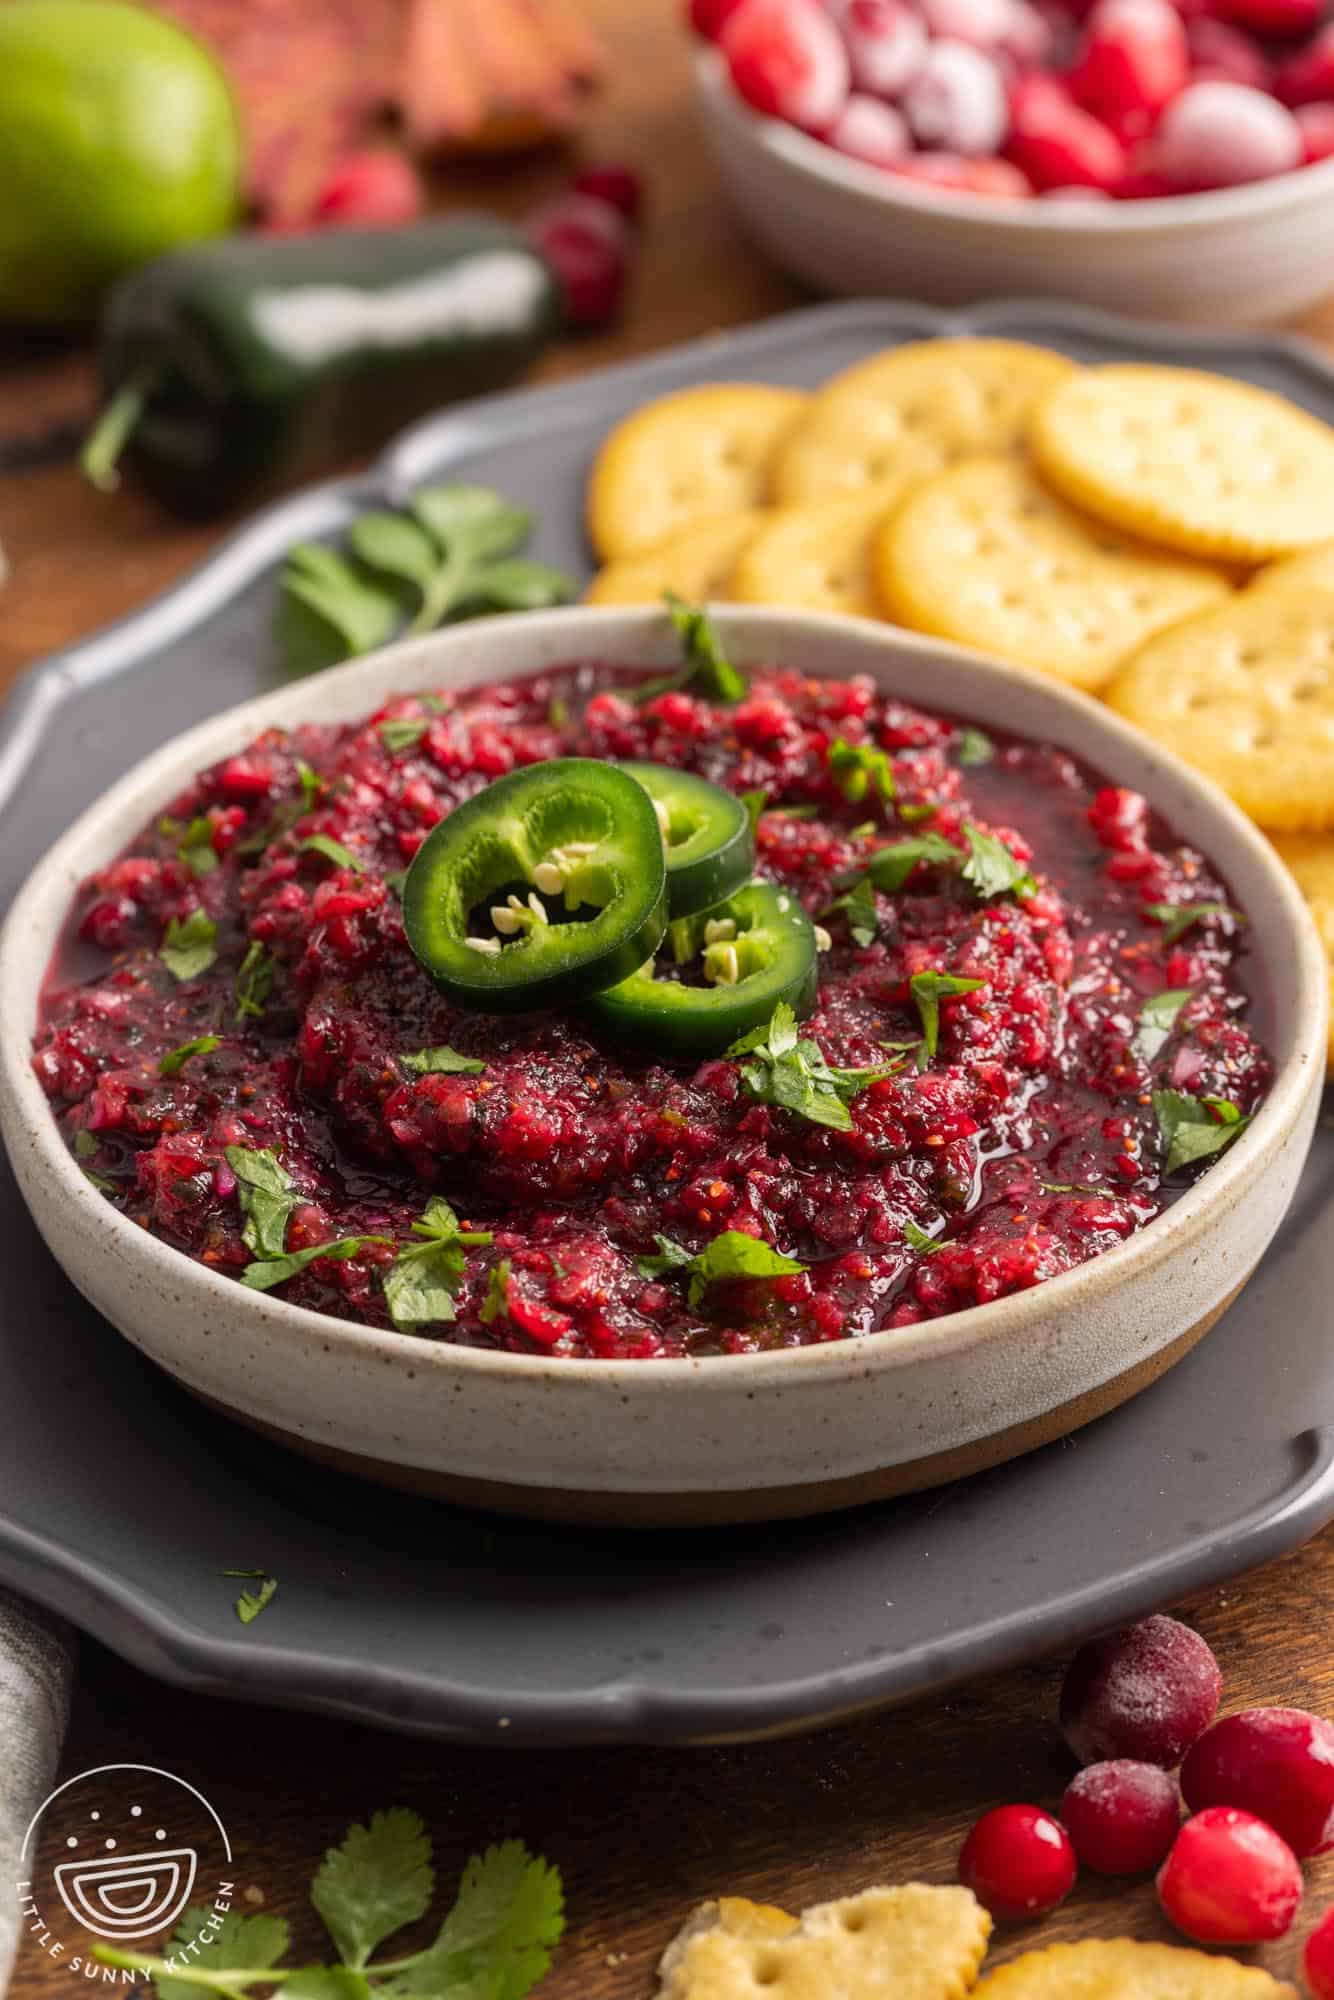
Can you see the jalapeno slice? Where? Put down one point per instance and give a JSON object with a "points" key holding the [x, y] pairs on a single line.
{"points": [[545, 887], [758, 948], [707, 834]]}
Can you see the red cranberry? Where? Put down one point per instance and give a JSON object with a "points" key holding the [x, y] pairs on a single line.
{"points": [[1274, 20], [787, 60], [1318, 1959], [1057, 143], [866, 129], [1219, 134], [619, 186], [377, 186], [1121, 1816], [886, 43], [585, 242], [1133, 62], [1225, 54], [1275, 1762], [1145, 1691], [1019, 1862], [710, 17], [1315, 122], [1230, 1879], [1308, 77]]}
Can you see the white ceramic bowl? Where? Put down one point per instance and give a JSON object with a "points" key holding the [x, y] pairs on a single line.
{"points": [[719, 1438], [1235, 256]]}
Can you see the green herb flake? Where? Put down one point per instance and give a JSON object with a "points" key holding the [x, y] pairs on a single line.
{"points": [[377, 1880], [1077, 1187], [779, 1068], [267, 1195], [914, 815], [332, 850], [670, 1257], [1157, 1018], [251, 1602], [706, 670], [799, 811], [268, 1272], [889, 867], [755, 804], [734, 1254], [858, 906], [85, 1144], [917, 1239], [928, 990], [1194, 1128], [1177, 918], [196, 847], [992, 869], [558, 712], [401, 732], [496, 1304], [443, 1062], [312, 784], [858, 768], [974, 747], [175, 1060], [254, 981], [420, 1284], [330, 609], [189, 948], [99, 1181]]}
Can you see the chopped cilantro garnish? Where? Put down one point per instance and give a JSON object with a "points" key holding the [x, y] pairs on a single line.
{"points": [[312, 784], [706, 670], [264, 1275], [1177, 918], [175, 1060], [251, 1602], [928, 990], [253, 982], [975, 747], [801, 810], [189, 948], [558, 712], [857, 767], [991, 868], [917, 1239], [755, 803], [889, 867], [85, 1144], [99, 1181], [420, 1284], [858, 906], [792, 1074], [734, 1254], [443, 1062], [332, 850], [1076, 1187], [1157, 1018], [496, 1304], [401, 732], [1194, 1128], [913, 815], [267, 1195], [196, 849]]}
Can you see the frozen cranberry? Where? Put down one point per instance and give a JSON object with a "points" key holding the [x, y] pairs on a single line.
{"points": [[866, 129], [787, 60], [1318, 1959], [1230, 1879], [957, 101], [1121, 1816], [997, 179], [1057, 142], [710, 17], [1144, 1691], [1029, 38], [1275, 20], [376, 186], [1308, 78], [1019, 1862], [1277, 1763], [1220, 134], [1315, 122], [586, 243], [1134, 61], [619, 186], [886, 42], [1225, 54], [983, 24]]}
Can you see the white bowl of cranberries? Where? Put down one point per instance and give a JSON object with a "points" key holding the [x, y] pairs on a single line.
{"points": [[1173, 158]]}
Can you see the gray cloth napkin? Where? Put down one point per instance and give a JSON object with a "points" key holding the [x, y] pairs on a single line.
{"points": [[36, 1664]]}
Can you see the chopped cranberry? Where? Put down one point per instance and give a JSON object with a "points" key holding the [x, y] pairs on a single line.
{"points": [[619, 186], [886, 43], [1019, 1862], [1056, 142], [1230, 1879], [1121, 1816], [1308, 77], [956, 101], [787, 60], [377, 186], [868, 130], [1318, 1959], [1221, 134], [1133, 61], [1145, 1691], [1276, 1762], [586, 243]]}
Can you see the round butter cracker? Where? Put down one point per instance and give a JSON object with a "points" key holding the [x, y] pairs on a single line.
{"points": [[1310, 859], [1245, 692], [686, 457], [816, 558], [986, 556], [892, 421], [1313, 568], [697, 564], [1197, 462], [1119, 1969]]}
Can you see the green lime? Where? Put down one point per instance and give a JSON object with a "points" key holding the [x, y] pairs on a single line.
{"points": [[118, 140]]}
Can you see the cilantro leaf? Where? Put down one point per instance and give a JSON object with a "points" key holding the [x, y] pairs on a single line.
{"points": [[802, 810], [420, 1284], [175, 1059], [1194, 1128], [312, 784], [496, 1304], [402, 731], [262, 1276], [377, 1880], [734, 1254], [330, 609], [85, 1143], [670, 1257], [975, 747], [917, 1239], [858, 906], [332, 850], [251, 1602], [196, 849], [1177, 918], [496, 1942], [99, 1181], [253, 981], [856, 767], [443, 1062], [231, 1943], [397, 545], [267, 1195], [889, 867], [1157, 1018], [794, 1075], [188, 949], [928, 990], [472, 524], [991, 868], [519, 585], [706, 669], [911, 815], [328, 1982]]}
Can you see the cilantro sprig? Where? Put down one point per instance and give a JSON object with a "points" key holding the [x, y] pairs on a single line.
{"points": [[452, 554], [175, 1059], [1177, 918], [254, 981], [783, 1069], [420, 1284], [889, 867], [267, 1194], [1157, 1018], [857, 904], [992, 869], [1194, 1128], [442, 1061], [264, 1274], [860, 768], [928, 989], [190, 946], [494, 1943], [705, 669], [734, 1254]]}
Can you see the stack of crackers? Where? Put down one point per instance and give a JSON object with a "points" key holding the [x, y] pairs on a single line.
{"points": [[1160, 537], [917, 1943]]}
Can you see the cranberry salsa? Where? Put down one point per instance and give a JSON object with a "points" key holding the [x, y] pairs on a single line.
{"points": [[1028, 1027]]}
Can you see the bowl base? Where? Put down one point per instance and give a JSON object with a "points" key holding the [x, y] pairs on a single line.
{"points": [[736, 1507]]}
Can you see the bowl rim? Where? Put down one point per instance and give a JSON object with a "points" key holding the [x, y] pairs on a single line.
{"points": [[793, 148], [592, 631]]}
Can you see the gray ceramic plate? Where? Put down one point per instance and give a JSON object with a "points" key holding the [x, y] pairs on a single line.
{"points": [[120, 1502]]}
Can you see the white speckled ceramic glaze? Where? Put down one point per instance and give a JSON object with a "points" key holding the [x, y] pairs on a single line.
{"points": [[1235, 256], [727, 1436]]}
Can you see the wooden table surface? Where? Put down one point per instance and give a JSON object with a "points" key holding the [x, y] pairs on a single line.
{"points": [[641, 1835]]}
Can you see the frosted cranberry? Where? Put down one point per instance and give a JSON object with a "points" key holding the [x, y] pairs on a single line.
{"points": [[1121, 1816], [619, 186], [868, 130], [787, 60], [1315, 122], [1225, 54], [983, 24], [1144, 1691], [1275, 20], [376, 186], [1029, 38], [1057, 142], [586, 243], [952, 174], [1275, 1762], [1220, 134], [1308, 78], [1134, 61], [1230, 1879], [1019, 1862], [886, 42], [1318, 1959], [957, 100], [710, 17]]}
